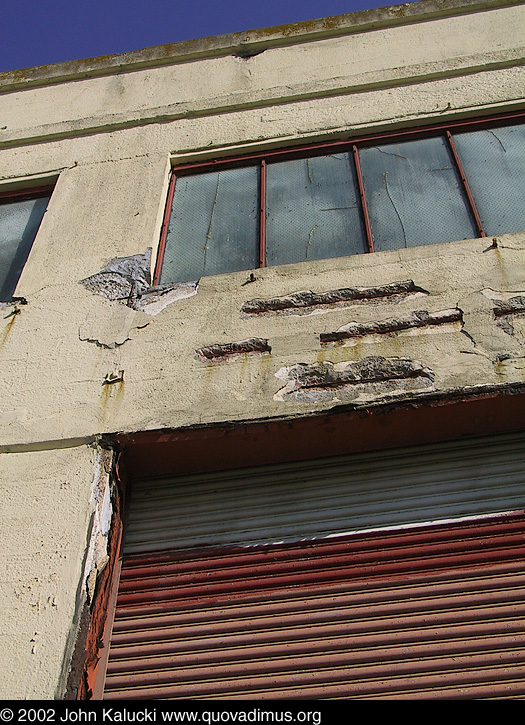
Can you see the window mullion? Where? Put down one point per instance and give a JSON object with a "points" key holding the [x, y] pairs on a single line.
{"points": [[470, 198], [364, 208], [262, 215]]}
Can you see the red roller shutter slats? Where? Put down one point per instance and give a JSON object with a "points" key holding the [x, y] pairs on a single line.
{"points": [[428, 612]]}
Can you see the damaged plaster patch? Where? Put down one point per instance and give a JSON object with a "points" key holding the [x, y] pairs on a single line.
{"points": [[507, 305], [361, 381], [219, 352], [101, 505], [128, 280], [420, 321], [308, 302], [123, 278], [155, 299]]}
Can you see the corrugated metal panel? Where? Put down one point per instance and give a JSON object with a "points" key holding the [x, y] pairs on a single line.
{"points": [[431, 612], [329, 497]]}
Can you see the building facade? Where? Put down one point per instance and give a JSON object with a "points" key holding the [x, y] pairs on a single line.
{"points": [[262, 363]]}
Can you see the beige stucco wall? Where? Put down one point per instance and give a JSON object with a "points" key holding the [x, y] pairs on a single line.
{"points": [[108, 132], [52, 500]]}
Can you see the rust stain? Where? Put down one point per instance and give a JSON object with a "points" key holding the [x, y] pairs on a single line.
{"points": [[500, 368], [501, 262], [9, 326], [105, 395], [111, 392], [119, 392]]}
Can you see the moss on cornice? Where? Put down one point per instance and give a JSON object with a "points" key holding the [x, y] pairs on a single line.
{"points": [[247, 43]]}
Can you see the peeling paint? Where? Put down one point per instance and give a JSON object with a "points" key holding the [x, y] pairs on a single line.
{"points": [[308, 302], [514, 305], [364, 380], [128, 280], [155, 299], [418, 320], [60, 394], [123, 278], [220, 352]]}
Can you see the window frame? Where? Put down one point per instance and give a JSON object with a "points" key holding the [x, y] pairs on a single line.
{"points": [[21, 194], [351, 144]]}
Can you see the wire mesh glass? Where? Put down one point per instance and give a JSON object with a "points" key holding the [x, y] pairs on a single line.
{"points": [[214, 225], [19, 222], [494, 164], [312, 210], [414, 194]]}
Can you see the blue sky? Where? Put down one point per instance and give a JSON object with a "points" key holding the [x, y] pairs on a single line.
{"points": [[37, 32]]}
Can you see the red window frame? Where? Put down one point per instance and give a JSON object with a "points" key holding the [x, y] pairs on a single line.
{"points": [[350, 145], [31, 192]]}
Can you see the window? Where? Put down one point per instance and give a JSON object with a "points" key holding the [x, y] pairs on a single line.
{"points": [[20, 216], [407, 189]]}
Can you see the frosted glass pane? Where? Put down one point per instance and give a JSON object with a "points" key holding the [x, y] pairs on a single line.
{"points": [[494, 164], [214, 225], [313, 210], [414, 194], [19, 222]]}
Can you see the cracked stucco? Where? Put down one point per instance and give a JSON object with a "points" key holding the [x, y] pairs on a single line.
{"points": [[166, 384], [112, 326]]}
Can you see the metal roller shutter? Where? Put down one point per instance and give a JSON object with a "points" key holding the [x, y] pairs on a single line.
{"points": [[328, 496], [431, 611]]}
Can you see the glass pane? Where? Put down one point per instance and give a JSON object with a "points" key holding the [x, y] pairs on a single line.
{"points": [[19, 222], [414, 194], [214, 225], [494, 164], [313, 210]]}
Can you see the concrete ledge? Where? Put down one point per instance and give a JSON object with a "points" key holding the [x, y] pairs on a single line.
{"points": [[245, 43]]}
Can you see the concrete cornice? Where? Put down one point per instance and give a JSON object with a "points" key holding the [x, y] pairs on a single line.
{"points": [[245, 43]]}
